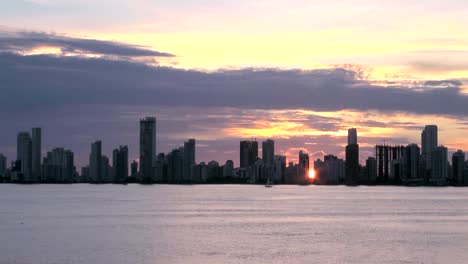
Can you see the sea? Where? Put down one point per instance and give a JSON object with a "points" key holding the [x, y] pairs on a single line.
{"points": [[251, 224]]}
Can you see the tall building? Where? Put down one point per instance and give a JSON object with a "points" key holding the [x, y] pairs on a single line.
{"points": [[175, 165], [120, 164], [352, 157], [189, 159], [458, 167], [303, 167], [385, 155], [106, 170], [134, 169], [95, 162], [439, 166], [228, 169], [24, 155], [268, 152], [3, 164], [429, 143], [371, 166], [59, 166], [36, 153], [412, 163], [248, 153], [147, 148], [352, 136], [280, 168]]}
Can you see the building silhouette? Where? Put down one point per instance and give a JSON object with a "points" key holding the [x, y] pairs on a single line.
{"points": [[458, 167], [95, 162], [303, 167], [36, 153], [385, 155], [59, 166], [439, 166], [3, 165], [352, 157], [147, 148], [24, 156], [189, 159], [429, 142], [120, 164], [248, 153], [268, 152], [412, 165]]}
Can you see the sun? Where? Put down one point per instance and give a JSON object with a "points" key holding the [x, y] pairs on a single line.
{"points": [[311, 174]]}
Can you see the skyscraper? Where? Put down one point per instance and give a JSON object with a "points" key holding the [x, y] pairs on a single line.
{"points": [[268, 152], [36, 153], [411, 159], [352, 157], [303, 167], [24, 155], [352, 136], [3, 164], [134, 169], [189, 159], [248, 153], [95, 162], [439, 166], [429, 143], [147, 148], [120, 164], [458, 167]]}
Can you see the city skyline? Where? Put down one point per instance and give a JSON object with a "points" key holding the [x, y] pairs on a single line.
{"points": [[407, 164]]}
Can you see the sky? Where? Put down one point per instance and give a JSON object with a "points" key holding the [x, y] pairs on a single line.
{"points": [[300, 72]]}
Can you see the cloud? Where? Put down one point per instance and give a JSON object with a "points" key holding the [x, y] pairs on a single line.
{"points": [[72, 81], [438, 60], [20, 42]]}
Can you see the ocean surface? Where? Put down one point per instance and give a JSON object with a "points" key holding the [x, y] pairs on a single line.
{"points": [[113, 224]]}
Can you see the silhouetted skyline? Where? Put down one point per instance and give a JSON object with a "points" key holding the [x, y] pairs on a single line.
{"points": [[405, 164]]}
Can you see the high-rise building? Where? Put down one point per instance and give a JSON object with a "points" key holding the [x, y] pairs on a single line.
{"points": [[411, 163], [3, 164], [385, 155], [120, 164], [280, 168], [95, 162], [458, 167], [371, 166], [439, 166], [352, 157], [24, 155], [248, 153], [36, 153], [303, 167], [352, 136], [228, 169], [106, 170], [268, 152], [59, 166], [175, 165], [134, 169], [429, 143], [147, 148], [189, 159]]}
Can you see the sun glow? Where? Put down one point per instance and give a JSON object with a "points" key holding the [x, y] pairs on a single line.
{"points": [[311, 174]]}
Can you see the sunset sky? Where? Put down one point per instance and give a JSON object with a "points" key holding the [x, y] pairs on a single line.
{"points": [[300, 72]]}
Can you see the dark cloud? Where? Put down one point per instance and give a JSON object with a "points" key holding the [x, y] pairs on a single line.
{"points": [[73, 81], [23, 41]]}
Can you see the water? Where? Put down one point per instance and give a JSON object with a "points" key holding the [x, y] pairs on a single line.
{"points": [[232, 224]]}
